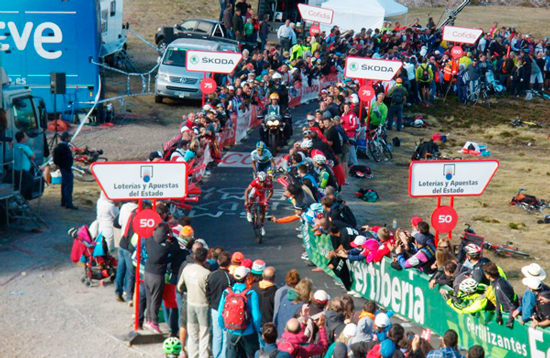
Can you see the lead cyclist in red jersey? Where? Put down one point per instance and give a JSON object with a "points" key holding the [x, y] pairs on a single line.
{"points": [[261, 190]]}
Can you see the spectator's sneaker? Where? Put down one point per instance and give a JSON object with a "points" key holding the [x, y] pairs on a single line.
{"points": [[131, 303], [263, 231], [150, 326], [298, 229], [249, 217], [305, 256], [356, 295], [351, 293], [119, 298], [300, 236]]}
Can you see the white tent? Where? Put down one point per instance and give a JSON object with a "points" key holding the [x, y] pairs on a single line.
{"points": [[358, 14]]}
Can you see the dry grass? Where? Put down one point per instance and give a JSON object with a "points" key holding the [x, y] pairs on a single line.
{"points": [[527, 20]]}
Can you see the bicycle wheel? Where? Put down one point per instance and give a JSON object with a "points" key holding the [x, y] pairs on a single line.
{"points": [[82, 174], [374, 150], [507, 251], [386, 149], [257, 223], [101, 160]]}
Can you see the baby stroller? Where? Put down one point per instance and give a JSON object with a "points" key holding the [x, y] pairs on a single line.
{"points": [[94, 254]]}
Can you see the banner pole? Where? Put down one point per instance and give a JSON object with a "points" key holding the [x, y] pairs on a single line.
{"points": [[452, 203], [436, 232], [138, 258]]}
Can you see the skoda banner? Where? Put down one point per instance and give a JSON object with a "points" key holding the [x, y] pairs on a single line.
{"points": [[212, 61], [371, 69], [141, 180], [407, 293], [461, 34]]}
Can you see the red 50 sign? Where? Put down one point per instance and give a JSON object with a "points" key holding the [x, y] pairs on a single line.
{"points": [[145, 222], [444, 219]]}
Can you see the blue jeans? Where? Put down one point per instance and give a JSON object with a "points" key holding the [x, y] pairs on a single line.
{"points": [[125, 274], [171, 317], [395, 111], [219, 337], [67, 179]]}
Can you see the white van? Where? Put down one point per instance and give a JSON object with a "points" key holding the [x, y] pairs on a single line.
{"points": [[172, 79]]}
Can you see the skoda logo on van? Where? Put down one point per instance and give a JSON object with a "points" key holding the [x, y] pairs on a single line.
{"points": [[353, 66], [194, 60]]}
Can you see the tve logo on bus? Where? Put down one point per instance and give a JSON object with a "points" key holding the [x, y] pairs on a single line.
{"points": [[41, 36]]}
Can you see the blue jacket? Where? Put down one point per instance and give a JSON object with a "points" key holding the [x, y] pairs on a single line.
{"points": [[528, 303], [269, 348], [253, 306]]}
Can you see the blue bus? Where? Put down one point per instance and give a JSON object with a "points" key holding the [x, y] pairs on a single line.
{"points": [[40, 37]]}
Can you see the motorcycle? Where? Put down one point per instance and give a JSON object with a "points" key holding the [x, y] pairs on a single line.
{"points": [[273, 127]]}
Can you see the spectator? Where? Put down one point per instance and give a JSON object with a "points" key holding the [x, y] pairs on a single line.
{"points": [[269, 334], [238, 24], [106, 214], [266, 290], [295, 342], [476, 352], [473, 266], [395, 334], [506, 298], [378, 112], [422, 260], [424, 77], [227, 21], [158, 248], [398, 96], [284, 34], [63, 158], [542, 311], [126, 273], [218, 281], [335, 319], [195, 278], [449, 347], [365, 324], [525, 312], [236, 260], [295, 300], [243, 314], [281, 295], [22, 165]]}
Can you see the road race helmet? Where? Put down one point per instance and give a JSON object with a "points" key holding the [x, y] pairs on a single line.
{"points": [[276, 76], [469, 285], [172, 345], [320, 159], [260, 145], [473, 250], [261, 176], [274, 96]]}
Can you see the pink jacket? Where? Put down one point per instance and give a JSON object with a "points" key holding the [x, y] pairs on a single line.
{"points": [[296, 344], [350, 124]]}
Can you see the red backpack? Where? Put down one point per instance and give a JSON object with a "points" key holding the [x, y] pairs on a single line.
{"points": [[236, 315]]}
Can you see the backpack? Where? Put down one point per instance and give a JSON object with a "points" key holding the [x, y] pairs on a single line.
{"points": [[368, 195], [425, 151], [360, 171], [397, 96], [285, 346], [235, 313], [425, 74]]}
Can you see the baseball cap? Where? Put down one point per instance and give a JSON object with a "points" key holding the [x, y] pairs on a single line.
{"points": [[387, 348], [320, 296], [237, 257], [358, 241], [310, 117], [204, 244], [532, 283], [247, 263], [258, 267], [241, 272]]}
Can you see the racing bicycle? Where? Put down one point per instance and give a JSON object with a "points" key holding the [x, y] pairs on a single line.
{"points": [[377, 144], [529, 203], [479, 94], [256, 210]]}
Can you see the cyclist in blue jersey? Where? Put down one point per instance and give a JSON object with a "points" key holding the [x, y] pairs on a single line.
{"points": [[262, 159]]}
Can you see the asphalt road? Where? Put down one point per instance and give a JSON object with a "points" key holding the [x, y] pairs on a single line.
{"points": [[220, 218]]}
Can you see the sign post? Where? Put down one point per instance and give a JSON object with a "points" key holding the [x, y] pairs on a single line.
{"points": [[213, 62], [449, 178], [142, 180]]}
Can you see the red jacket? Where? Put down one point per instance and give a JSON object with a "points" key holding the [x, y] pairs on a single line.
{"points": [[296, 344], [383, 250]]}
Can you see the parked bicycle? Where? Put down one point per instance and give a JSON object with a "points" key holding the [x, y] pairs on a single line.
{"points": [[479, 94], [529, 203], [377, 144], [83, 158], [470, 237]]}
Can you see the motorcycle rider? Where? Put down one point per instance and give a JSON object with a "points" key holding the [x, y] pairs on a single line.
{"points": [[271, 110]]}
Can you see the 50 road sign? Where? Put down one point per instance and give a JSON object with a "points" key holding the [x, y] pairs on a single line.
{"points": [[371, 69], [212, 61]]}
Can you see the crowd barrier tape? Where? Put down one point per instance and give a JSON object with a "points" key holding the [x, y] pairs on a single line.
{"points": [[407, 293]]}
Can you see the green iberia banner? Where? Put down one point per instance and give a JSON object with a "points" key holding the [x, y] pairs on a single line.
{"points": [[407, 294]]}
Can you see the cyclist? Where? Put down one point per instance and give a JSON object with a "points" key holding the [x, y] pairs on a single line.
{"points": [[262, 159], [260, 189], [326, 175], [472, 297]]}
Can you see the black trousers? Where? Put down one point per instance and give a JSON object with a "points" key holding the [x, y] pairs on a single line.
{"points": [[154, 285]]}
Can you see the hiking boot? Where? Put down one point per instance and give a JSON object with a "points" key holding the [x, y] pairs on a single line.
{"points": [[71, 207], [249, 217], [150, 326], [119, 298]]}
